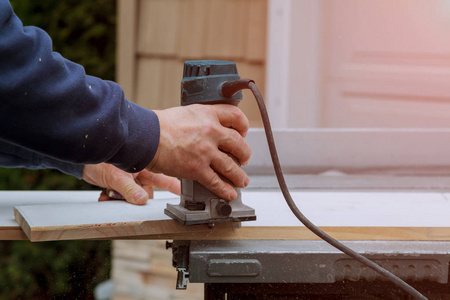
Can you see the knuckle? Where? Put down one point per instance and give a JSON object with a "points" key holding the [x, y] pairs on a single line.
{"points": [[202, 147], [202, 109], [205, 153], [214, 182], [230, 167], [240, 117], [209, 128], [237, 139], [231, 141], [233, 172], [236, 113], [240, 148]]}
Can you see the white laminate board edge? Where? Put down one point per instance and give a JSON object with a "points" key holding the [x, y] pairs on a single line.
{"points": [[93, 213]]}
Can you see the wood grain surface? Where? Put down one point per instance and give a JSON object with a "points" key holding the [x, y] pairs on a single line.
{"points": [[345, 215], [110, 219]]}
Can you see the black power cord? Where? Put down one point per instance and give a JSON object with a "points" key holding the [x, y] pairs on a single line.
{"points": [[228, 90]]}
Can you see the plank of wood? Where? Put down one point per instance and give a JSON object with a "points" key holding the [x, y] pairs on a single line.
{"points": [[9, 230], [345, 215], [100, 220]]}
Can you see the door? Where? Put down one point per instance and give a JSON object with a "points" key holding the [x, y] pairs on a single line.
{"points": [[386, 63], [359, 63]]}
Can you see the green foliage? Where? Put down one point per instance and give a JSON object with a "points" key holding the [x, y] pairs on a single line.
{"points": [[84, 32], [23, 179], [52, 270]]}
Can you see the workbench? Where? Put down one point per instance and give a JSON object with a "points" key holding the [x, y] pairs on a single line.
{"points": [[407, 232]]}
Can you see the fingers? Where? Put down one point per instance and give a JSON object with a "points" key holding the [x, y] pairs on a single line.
{"points": [[227, 167], [234, 144], [135, 188], [232, 139], [212, 181], [160, 181], [232, 117], [167, 183]]}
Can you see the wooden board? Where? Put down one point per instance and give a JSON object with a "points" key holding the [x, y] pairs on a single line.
{"points": [[345, 215], [101, 220], [9, 230]]}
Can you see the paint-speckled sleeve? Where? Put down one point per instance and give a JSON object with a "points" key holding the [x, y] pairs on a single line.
{"points": [[51, 107]]}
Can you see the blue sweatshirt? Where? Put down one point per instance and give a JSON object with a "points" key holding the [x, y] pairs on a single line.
{"points": [[53, 115]]}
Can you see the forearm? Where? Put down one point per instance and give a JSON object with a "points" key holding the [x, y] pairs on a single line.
{"points": [[50, 106]]}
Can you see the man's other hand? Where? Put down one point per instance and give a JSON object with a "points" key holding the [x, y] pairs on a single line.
{"points": [[136, 188]]}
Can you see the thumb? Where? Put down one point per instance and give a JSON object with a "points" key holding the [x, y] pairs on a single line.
{"points": [[130, 190]]}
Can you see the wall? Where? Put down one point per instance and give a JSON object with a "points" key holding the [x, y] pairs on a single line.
{"points": [[155, 37]]}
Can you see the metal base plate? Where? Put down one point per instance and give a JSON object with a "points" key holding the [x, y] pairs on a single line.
{"points": [[240, 213]]}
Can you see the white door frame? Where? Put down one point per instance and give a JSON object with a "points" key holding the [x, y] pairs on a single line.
{"points": [[294, 102], [293, 63]]}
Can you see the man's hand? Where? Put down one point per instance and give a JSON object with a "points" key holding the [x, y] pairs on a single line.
{"points": [[193, 142], [136, 188]]}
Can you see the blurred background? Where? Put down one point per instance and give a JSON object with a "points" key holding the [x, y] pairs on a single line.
{"points": [[84, 32], [155, 37], [319, 63]]}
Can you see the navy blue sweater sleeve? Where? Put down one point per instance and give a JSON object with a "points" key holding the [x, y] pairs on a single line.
{"points": [[12, 156], [51, 107]]}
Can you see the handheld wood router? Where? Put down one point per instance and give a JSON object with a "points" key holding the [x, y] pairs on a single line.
{"points": [[202, 83]]}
